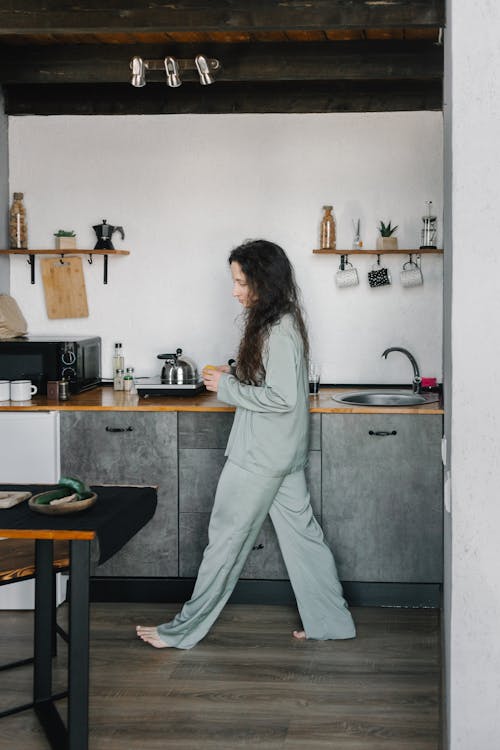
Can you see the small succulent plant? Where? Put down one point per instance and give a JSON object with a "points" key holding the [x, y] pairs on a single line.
{"points": [[386, 230], [64, 233]]}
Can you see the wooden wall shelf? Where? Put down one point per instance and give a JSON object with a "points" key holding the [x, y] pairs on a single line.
{"points": [[61, 253], [415, 251]]}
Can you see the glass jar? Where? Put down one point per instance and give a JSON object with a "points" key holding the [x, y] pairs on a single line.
{"points": [[18, 229], [327, 230]]}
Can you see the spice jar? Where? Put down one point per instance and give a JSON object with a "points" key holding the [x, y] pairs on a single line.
{"points": [[128, 380], [118, 380], [63, 390]]}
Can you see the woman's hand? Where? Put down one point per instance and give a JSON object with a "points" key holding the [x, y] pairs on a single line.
{"points": [[211, 376]]}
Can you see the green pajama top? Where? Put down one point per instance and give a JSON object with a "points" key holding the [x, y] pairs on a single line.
{"points": [[270, 432]]}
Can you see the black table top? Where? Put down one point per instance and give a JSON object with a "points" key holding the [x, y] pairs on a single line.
{"points": [[118, 514]]}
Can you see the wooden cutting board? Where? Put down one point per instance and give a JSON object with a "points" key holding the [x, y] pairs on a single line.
{"points": [[64, 286]]}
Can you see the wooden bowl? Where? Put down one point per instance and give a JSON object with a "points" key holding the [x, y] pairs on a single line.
{"points": [[62, 509]]}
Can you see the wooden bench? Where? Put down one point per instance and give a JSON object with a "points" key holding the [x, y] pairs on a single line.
{"points": [[17, 563], [17, 559]]}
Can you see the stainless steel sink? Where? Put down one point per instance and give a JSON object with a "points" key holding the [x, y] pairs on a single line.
{"points": [[385, 398]]}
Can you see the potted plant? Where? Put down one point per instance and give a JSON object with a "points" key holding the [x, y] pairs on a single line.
{"points": [[65, 240], [386, 241]]}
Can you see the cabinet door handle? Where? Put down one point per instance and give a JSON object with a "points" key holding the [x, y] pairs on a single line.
{"points": [[382, 433], [119, 429]]}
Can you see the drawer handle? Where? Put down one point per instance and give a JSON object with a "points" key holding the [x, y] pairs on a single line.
{"points": [[382, 433], [119, 429]]}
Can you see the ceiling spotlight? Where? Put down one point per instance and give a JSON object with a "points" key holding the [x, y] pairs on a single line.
{"points": [[138, 72], [203, 69], [172, 71]]}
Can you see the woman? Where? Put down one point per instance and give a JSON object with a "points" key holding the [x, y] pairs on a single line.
{"points": [[266, 455]]}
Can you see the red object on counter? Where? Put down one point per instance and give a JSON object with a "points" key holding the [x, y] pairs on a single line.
{"points": [[428, 382]]}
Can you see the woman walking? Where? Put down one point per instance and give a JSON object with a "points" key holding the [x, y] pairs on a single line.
{"points": [[266, 454]]}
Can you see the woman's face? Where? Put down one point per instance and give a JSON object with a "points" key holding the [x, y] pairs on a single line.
{"points": [[241, 288]]}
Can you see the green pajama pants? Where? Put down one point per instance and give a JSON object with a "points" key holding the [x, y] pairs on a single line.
{"points": [[242, 501]]}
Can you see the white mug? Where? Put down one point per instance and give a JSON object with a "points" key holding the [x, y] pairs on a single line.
{"points": [[4, 390], [347, 276], [411, 275], [22, 390]]}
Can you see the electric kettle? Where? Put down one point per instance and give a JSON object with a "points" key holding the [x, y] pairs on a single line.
{"points": [[178, 369]]}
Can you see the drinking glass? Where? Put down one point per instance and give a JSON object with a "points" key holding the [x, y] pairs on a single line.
{"points": [[314, 378]]}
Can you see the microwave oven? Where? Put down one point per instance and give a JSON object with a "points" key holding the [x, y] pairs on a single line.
{"points": [[77, 359]]}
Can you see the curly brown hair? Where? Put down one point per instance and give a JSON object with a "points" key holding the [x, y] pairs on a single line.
{"points": [[271, 279]]}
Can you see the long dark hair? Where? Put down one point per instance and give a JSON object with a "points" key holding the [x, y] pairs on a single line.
{"points": [[271, 279]]}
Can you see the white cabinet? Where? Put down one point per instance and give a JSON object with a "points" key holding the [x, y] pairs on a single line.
{"points": [[29, 447], [29, 454]]}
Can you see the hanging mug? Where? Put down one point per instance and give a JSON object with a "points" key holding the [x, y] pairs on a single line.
{"points": [[346, 276], [411, 275], [379, 276]]}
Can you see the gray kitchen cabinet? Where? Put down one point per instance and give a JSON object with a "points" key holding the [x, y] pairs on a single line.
{"points": [[202, 440], [129, 448], [382, 496]]}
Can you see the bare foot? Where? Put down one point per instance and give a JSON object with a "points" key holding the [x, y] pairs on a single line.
{"points": [[150, 635], [300, 635]]}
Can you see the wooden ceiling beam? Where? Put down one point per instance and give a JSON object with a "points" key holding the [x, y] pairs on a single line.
{"points": [[135, 16], [265, 62], [158, 99]]}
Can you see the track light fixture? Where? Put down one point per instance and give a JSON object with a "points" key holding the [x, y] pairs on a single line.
{"points": [[173, 67], [138, 72], [203, 69], [172, 71]]}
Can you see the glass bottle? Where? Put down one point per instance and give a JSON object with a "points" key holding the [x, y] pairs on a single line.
{"points": [[18, 229], [327, 230], [118, 359], [118, 380], [128, 380]]}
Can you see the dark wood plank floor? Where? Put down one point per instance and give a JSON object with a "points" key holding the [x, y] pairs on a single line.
{"points": [[247, 685]]}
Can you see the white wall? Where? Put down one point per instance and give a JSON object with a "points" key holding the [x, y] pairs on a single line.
{"points": [[474, 682], [189, 188]]}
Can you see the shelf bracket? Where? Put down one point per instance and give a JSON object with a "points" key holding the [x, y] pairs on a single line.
{"points": [[31, 262], [57, 252]]}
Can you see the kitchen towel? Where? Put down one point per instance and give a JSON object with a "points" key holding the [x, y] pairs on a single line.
{"points": [[12, 322], [9, 499]]}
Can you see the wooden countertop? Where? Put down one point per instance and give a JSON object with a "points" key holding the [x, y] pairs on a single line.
{"points": [[106, 399]]}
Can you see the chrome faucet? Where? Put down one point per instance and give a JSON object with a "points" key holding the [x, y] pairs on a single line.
{"points": [[416, 373]]}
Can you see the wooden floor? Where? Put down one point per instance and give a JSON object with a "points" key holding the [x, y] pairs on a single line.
{"points": [[247, 685]]}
